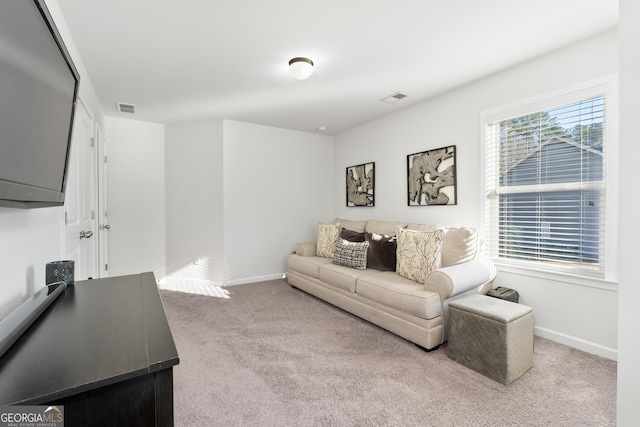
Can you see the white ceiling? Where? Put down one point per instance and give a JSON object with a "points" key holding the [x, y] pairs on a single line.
{"points": [[192, 59]]}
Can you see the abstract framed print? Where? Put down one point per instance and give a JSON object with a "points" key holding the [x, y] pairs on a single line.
{"points": [[431, 177], [361, 185]]}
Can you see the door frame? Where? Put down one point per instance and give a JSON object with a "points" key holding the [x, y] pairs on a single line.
{"points": [[103, 210], [95, 193]]}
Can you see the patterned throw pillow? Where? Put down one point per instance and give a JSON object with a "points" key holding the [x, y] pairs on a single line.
{"points": [[351, 254], [419, 253], [327, 236]]}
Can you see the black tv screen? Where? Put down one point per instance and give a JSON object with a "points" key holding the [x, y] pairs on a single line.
{"points": [[38, 92]]}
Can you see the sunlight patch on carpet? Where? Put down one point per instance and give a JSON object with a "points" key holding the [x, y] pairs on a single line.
{"points": [[193, 278], [197, 287]]}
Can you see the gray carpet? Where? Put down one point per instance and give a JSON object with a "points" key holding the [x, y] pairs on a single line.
{"points": [[271, 355]]}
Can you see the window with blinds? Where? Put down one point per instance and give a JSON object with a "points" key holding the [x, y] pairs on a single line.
{"points": [[545, 179]]}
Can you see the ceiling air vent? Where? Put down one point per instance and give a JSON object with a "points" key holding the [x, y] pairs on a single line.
{"points": [[123, 107], [394, 98]]}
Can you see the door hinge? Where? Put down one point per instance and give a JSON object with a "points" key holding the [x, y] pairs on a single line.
{"points": [[66, 217], [106, 267], [105, 159], [93, 141], [93, 214]]}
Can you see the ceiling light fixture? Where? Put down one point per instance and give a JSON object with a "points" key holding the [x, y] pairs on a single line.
{"points": [[300, 68]]}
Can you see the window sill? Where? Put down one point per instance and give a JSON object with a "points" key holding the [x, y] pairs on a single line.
{"points": [[592, 282]]}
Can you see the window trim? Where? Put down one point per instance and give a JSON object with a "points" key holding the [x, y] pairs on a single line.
{"points": [[606, 86]]}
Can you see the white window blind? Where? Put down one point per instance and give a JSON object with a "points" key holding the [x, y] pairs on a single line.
{"points": [[545, 179]]}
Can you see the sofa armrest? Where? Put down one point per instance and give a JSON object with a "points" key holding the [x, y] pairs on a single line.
{"points": [[306, 249], [459, 278]]}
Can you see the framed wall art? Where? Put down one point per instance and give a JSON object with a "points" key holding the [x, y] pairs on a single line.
{"points": [[431, 177], [361, 185]]}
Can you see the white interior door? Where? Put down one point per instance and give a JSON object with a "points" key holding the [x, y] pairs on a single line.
{"points": [[81, 198], [103, 211]]}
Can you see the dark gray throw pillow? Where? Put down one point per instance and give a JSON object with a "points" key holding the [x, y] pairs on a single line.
{"points": [[381, 254], [352, 236]]}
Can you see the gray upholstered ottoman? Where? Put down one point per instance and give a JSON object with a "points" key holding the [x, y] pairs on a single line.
{"points": [[491, 336]]}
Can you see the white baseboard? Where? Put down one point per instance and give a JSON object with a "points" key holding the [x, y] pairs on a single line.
{"points": [[589, 347], [254, 279]]}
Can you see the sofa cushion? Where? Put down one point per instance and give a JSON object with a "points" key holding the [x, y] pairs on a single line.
{"points": [[306, 248], [327, 235], [352, 236], [351, 225], [342, 277], [423, 227], [390, 289], [384, 227], [419, 253], [351, 254], [382, 251], [309, 265], [458, 244]]}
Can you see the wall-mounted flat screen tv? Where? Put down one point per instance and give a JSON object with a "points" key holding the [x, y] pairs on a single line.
{"points": [[38, 92]]}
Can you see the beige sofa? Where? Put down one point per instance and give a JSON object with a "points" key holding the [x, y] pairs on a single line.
{"points": [[407, 305]]}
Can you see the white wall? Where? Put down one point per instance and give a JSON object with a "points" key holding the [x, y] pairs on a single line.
{"points": [[28, 240], [239, 197], [277, 186], [136, 195], [31, 238], [629, 285], [193, 167], [584, 317]]}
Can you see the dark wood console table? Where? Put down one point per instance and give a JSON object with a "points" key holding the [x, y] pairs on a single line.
{"points": [[103, 349]]}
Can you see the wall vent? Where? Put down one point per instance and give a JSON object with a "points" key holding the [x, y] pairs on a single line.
{"points": [[394, 98], [124, 107]]}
